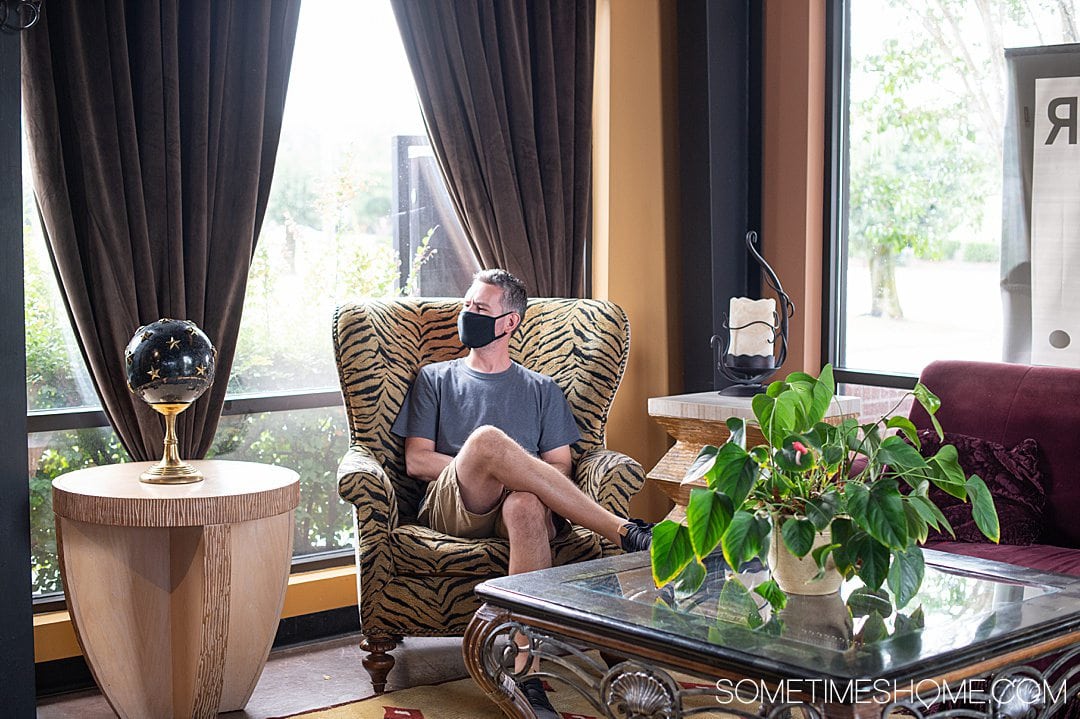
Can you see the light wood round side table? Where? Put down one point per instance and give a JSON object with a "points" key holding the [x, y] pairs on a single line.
{"points": [[175, 591]]}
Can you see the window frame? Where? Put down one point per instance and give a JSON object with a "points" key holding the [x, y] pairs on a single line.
{"points": [[53, 420], [837, 178]]}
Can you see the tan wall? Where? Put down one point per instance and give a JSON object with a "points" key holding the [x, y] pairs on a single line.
{"points": [[635, 217], [793, 173]]}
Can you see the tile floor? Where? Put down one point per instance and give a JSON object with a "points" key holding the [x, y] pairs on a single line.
{"points": [[303, 677]]}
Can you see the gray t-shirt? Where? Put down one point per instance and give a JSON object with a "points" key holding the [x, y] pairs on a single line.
{"points": [[449, 400]]}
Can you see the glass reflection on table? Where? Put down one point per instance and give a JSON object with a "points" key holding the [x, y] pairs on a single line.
{"points": [[955, 607]]}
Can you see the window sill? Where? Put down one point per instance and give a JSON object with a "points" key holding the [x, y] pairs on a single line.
{"points": [[307, 593]]}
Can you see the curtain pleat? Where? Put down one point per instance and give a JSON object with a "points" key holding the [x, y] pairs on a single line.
{"points": [[506, 92], [153, 129]]}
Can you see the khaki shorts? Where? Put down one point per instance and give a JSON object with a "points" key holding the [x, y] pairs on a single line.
{"points": [[443, 510]]}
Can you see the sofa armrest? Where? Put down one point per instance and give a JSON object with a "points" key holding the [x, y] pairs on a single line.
{"points": [[362, 481], [609, 477]]}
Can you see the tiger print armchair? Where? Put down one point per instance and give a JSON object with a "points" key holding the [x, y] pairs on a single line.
{"points": [[412, 580]]}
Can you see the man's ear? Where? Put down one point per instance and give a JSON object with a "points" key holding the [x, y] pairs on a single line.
{"points": [[515, 320]]}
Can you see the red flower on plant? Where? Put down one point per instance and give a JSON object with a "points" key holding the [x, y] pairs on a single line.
{"points": [[800, 450]]}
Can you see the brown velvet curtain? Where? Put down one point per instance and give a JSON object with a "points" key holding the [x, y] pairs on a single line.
{"points": [[153, 127], [506, 91]]}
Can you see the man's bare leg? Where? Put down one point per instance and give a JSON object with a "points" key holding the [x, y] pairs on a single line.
{"points": [[529, 529], [490, 460]]}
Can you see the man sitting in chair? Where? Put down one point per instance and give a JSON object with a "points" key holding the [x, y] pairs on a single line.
{"points": [[492, 439]]}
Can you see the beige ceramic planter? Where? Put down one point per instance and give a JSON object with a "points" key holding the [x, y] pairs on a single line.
{"points": [[795, 575], [822, 620]]}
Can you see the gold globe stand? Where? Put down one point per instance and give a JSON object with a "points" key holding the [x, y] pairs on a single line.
{"points": [[171, 469]]}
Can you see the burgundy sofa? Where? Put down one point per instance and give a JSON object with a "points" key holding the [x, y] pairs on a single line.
{"points": [[1008, 403]]}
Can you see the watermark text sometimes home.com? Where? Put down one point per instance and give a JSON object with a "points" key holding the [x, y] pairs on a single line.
{"points": [[1023, 689]]}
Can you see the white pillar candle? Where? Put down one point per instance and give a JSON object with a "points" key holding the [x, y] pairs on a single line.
{"points": [[751, 339]]}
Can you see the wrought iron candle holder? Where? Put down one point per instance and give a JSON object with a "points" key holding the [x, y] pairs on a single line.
{"points": [[748, 372]]}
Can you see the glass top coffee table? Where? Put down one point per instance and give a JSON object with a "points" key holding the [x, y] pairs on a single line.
{"points": [[995, 639]]}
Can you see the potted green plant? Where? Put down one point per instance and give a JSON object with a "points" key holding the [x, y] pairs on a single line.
{"points": [[848, 500]]}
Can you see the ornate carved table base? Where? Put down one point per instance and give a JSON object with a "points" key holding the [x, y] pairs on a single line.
{"points": [[629, 689], [635, 689]]}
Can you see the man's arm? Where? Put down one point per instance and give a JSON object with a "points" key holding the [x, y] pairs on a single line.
{"points": [[559, 458], [423, 462]]}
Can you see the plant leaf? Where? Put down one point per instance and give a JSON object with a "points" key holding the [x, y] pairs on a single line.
{"points": [[947, 474], [917, 527], [787, 458], [873, 559], [858, 496], [931, 404], [873, 629], [821, 556], [842, 530], [744, 539], [930, 512], [896, 452], [926, 398], [670, 551], [832, 455], [763, 406], [775, 415], [913, 623], [798, 535], [863, 601], [707, 516], [906, 575], [821, 510], [704, 462], [735, 605], [772, 593], [734, 473], [689, 580], [824, 389], [906, 426], [802, 398], [982, 508], [885, 518], [800, 378], [737, 427]]}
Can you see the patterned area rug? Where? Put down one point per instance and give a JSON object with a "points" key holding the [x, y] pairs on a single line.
{"points": [[461, 699]]}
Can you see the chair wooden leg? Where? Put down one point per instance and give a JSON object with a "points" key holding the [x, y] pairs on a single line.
{"points": [[378, 661]]}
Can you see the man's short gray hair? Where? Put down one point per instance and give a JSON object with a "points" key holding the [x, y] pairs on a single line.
{"points": [[514, 295]]}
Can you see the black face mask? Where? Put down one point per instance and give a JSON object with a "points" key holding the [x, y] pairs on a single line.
{"points": [[477, 330]]}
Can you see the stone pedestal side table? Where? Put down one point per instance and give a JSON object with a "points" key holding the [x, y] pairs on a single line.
{"points": [[175, 591], [695, 420]]}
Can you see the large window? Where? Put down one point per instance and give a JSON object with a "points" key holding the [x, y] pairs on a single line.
{"points": [[357, 209], [922, 90]]}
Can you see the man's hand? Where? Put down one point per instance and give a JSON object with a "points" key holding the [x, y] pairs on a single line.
{"points": [[422, 461], [560, 459]]}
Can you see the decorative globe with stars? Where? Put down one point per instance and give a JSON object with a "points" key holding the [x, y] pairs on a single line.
{"points": [[170, 362]]}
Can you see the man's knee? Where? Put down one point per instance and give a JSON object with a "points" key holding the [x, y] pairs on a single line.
{"points": [[487, 441], [523, 510]]}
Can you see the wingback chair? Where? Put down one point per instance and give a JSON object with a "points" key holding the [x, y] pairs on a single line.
{"points": [[412, 580]]}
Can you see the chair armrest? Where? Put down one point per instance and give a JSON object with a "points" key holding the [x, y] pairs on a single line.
{"points": [[362, 481], [609, 477]]}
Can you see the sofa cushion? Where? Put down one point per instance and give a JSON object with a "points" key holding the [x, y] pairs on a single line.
{"points": [[1008, 403], [1013, 478], [1042, 557]]}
